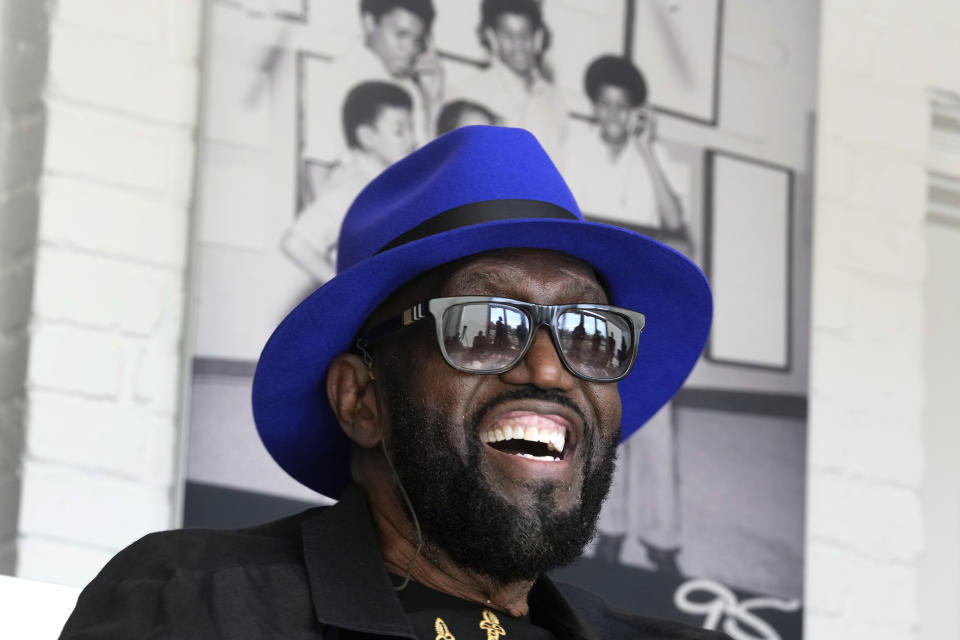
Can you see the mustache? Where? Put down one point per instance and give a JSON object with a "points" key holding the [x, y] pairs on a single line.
{"points": [[530, 392]]}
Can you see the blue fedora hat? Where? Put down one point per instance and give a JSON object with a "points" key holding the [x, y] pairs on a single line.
{"points": [[472, 190]]}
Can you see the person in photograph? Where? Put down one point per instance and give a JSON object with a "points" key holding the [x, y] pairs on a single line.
{"points": [[462, 478], [517, 84], [615, 172], [464, 113], [616, 167], [395, 47], [378, 128], [397, 33], [643, 507]]}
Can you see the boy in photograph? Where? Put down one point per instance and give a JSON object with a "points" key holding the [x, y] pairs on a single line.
{"points": [[615, 168], [378, 128], [394, 48], [517, 85], [397, 33]]}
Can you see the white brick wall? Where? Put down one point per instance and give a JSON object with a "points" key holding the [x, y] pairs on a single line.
{"points": [[100, 102], [866, 448], [145, 229], [70, 563]]}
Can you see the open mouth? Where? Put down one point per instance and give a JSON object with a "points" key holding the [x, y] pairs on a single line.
{"points": [[530, 437]]}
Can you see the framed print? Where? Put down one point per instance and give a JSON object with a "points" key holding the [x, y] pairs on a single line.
{"points": [[748, 244]]}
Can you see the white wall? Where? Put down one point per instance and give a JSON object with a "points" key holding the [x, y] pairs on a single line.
{"points": [[99, 388], [866, 457], [939, 584], [940, 568]]}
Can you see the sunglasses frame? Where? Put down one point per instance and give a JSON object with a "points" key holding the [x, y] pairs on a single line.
{"points": [[539, 315]]}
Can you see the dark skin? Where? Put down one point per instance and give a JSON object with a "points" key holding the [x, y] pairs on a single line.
{"points": [[540, 276]]}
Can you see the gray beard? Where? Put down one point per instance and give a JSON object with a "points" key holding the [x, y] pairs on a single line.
{"points": [[460, 514]]}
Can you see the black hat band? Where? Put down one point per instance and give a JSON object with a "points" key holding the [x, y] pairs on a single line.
{"points": [[478, 213]]}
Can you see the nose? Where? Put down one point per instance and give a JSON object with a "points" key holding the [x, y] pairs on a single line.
{"points": [[541, 366]]}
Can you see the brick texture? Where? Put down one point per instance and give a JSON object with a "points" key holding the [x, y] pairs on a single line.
{"points": [[59, 562], [97, 129], [866, 447], [54, 495]]}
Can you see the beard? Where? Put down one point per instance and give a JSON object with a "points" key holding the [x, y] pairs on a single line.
{"points": [[460, 513]]}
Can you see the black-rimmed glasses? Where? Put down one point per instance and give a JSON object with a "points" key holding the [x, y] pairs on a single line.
{"points": [[483, 334]]}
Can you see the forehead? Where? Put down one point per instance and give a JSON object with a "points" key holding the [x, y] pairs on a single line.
{"points": [[389, 114], [400, 19], [513, 22], [533, 275], [613, 94]]}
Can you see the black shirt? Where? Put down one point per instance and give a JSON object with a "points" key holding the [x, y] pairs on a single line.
{"points": [[315, 575], [434, 614]]}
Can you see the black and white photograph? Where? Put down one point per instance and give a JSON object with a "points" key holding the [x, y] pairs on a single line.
{"points": [[690, 121], [617, 167], [685, 38]]}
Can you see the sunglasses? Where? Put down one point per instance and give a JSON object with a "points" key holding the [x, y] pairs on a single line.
{"points": [[483, 334]]}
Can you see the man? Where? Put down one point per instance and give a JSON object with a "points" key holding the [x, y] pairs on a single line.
{"points": [[616, 173], [462, 477], [377, 126], [615, 169], [394, 48], [517, 85]]}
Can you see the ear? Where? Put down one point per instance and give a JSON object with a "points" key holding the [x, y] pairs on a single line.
{"points": [[492, 41], [369, 23], [353, 398]]}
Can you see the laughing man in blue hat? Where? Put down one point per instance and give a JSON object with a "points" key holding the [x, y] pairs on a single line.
{"points": [[460, 386]]}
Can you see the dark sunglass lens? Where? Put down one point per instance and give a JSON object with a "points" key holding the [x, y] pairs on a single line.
{"points": [[596, 343], [484, 336]]}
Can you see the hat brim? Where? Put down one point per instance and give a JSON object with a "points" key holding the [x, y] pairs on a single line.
{"points": [[290, 406]]}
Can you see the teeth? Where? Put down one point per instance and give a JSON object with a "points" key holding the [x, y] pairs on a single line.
{"points": [[553, 436], [541, 458], [556, 443]]}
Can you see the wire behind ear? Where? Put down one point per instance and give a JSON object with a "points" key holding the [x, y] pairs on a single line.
{"points": [[367, 358], [413, 516]]}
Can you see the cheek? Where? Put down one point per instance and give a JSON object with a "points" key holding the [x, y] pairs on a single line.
{"points": [[443, 390], [607, 402]]}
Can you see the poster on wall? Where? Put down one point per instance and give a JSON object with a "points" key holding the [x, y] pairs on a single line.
{"points": [[642, 105]]}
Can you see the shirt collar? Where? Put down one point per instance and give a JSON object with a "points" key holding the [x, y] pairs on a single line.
{"points": [[348, 583], [514, 83], [351, 589], [565, 622]]}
